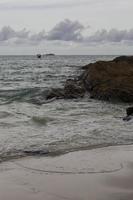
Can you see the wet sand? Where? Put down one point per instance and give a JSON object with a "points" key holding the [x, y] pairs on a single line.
{"points": [[99, 174]]}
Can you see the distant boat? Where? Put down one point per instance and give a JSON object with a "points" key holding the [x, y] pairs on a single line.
{"points": [[47, 54], [39, 56]]}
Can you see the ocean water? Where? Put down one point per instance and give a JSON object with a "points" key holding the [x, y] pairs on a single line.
{"points": [[59, 126]]}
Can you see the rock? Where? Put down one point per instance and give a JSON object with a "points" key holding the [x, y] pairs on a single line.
{"points": [[104, 80], [72, 89], [110, 80], [127, 118], [55, 93], [128, 59], [129, 112]]}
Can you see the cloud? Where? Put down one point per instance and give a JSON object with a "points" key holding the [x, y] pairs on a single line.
{"points": [[66, 31], [7, 33], [41, 5], [38, 37], [111, 36], [54, 4]]}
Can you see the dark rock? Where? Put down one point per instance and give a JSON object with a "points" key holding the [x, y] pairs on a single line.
{"points": [[110, 80], [124, 59], [129, 111], [127, 118], [55, 93], [74, 89]]}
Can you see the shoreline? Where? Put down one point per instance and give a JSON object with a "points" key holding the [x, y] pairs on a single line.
{"points": [[97, 174]]}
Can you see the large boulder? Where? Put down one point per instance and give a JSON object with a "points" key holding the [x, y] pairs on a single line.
{"points": [[110, 80]]}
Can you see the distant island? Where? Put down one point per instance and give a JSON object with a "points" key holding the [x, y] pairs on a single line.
{"points": [[49, 54]]}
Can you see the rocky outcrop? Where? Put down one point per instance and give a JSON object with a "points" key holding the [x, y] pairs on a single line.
{"points": [[110, 80], [104, 80]]}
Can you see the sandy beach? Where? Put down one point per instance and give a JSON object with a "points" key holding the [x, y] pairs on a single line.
{"points": [[99, 174]]}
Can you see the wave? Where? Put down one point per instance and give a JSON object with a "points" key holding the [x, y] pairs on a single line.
{"points": [[16, 154], [51, 152], [30, 95], [5, 114]]}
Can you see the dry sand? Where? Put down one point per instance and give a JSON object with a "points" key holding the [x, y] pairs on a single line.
{"points": [[99, 174]]}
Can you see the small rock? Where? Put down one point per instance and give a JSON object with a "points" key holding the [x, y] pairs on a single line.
{"points": [[129, 112]]}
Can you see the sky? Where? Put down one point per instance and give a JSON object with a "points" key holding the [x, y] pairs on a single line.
{"points": [[66, 27]]}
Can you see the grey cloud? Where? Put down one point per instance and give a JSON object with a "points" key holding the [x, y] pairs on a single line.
{"points": [[41, 6], [24, 5], [111, 36], [66, 31], [22, 33], [38, 37], [7, 33]]}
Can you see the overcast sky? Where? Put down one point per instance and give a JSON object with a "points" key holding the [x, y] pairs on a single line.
{"points": [[66, 26]]}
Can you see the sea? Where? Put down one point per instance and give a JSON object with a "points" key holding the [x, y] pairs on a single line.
{"points": [[58, 126]]}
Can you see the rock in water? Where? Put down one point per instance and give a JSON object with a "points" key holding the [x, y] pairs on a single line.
{"points": [[55, 93], [72, 89], [129, 112], [110, 80], [104, 80], [127, 118]]}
